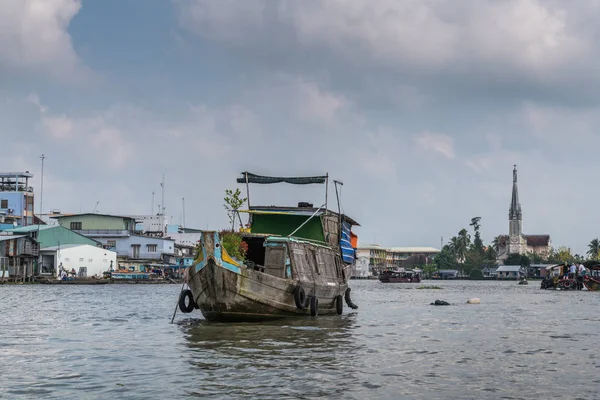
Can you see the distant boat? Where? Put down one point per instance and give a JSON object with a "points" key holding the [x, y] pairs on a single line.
{"points": [[400, 277], [591, 280], [298, 262]]}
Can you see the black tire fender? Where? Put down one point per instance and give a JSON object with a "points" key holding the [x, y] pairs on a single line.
{"points": [[189, 307], [300, 297], [314, 306], [339, 304]]}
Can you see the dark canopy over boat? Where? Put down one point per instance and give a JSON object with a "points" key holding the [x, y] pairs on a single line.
{"points": [[300, 180]]}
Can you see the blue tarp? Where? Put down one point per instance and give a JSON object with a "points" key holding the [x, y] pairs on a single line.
{"points": [[346, 245]]}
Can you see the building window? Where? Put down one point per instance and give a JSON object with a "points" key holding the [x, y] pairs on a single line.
{"points": [[4, 203], [152, 248], [135, 250], [81, 260], [105, 260], [75, 226], [111, 243], [67, 259], [90, 260]]}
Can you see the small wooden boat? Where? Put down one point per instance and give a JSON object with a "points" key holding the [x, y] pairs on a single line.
{"points": [[591, 280], [298, 261], [400, 277], [556, 279]]}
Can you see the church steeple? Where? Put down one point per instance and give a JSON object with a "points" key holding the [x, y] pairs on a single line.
{"points": [[514, 214]]}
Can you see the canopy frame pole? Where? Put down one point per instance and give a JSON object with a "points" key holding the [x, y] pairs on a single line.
{"points": [[247, 189], [305, 222], [336, 183], [326, 191]]}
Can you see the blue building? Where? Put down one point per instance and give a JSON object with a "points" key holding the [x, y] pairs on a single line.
{"points": [[16, 200]]}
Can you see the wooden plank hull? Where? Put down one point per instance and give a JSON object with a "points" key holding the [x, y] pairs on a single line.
{"points": [[226, 290], [224, 295]]}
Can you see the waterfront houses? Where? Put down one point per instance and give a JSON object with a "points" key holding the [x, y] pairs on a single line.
{"points": [[120, 233], [86, 260], [18, 256], [16, 200], [382, 258]]}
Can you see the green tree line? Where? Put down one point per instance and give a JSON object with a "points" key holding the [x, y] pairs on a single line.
{"points": [[467, 253]]}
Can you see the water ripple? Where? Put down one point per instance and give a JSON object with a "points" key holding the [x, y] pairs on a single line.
{"points": [[115, 341]]}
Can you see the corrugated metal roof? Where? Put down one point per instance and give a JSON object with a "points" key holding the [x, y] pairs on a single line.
{"points": [[96, 214], [4, 238], [399, 249], [31, 228], [70, 246], [509, 268], [413, 250]]}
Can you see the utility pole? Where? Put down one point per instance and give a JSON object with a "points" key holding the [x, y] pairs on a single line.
{"points": [[183, 212], [43, 157], [162, 185]]}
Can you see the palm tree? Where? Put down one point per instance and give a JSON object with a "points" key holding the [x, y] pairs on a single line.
{"points": [[462, 245], [594, 249], [453, 244], [496, 243]]}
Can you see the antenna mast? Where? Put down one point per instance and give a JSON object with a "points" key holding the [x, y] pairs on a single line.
{"points": [[152, 208], [162, 185], [183, 211]]}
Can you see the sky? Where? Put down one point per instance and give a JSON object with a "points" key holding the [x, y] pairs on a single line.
{"points": [[420, 107]]}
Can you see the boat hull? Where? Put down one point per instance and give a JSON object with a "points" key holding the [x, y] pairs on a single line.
{"points": [[225, 295]]}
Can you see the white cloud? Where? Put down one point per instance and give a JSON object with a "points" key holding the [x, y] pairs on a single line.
{"points": [[437, 143], [526, 35], [479, 163], [34, 38]]}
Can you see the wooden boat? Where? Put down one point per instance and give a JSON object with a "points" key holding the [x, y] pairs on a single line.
{"points": [[400, 277], [298, 263], [555, 279], [591, 280]]}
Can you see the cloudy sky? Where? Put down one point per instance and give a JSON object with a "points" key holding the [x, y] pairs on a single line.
{"points": [[421, 108]]}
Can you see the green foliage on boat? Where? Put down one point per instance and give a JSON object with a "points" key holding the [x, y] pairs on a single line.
{"points": [[233, 243], [429, 287]]}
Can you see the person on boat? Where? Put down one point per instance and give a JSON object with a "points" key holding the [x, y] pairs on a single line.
{"points": [[580, 275], [572, 271]]}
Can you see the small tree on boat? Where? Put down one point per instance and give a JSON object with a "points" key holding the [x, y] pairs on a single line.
{"points": [[233, 202]]}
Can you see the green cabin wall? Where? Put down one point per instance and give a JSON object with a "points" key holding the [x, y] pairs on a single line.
{"points": [[277, 224], [62, 236], [98, 222]]}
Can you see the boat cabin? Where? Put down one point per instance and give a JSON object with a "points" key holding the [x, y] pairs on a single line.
{"points": [[291, 258]]}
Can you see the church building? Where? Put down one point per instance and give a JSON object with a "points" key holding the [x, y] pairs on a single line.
{"points": [[516, 241]]}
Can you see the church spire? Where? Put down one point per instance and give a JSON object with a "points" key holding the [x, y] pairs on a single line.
{"points": [[514, 214], [515, 206]]}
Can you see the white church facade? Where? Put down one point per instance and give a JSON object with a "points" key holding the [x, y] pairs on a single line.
{"points": [[516, 241]]}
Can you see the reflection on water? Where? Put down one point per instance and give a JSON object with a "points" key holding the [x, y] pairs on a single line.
{"points": [[115, 341], [306, 357]]}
